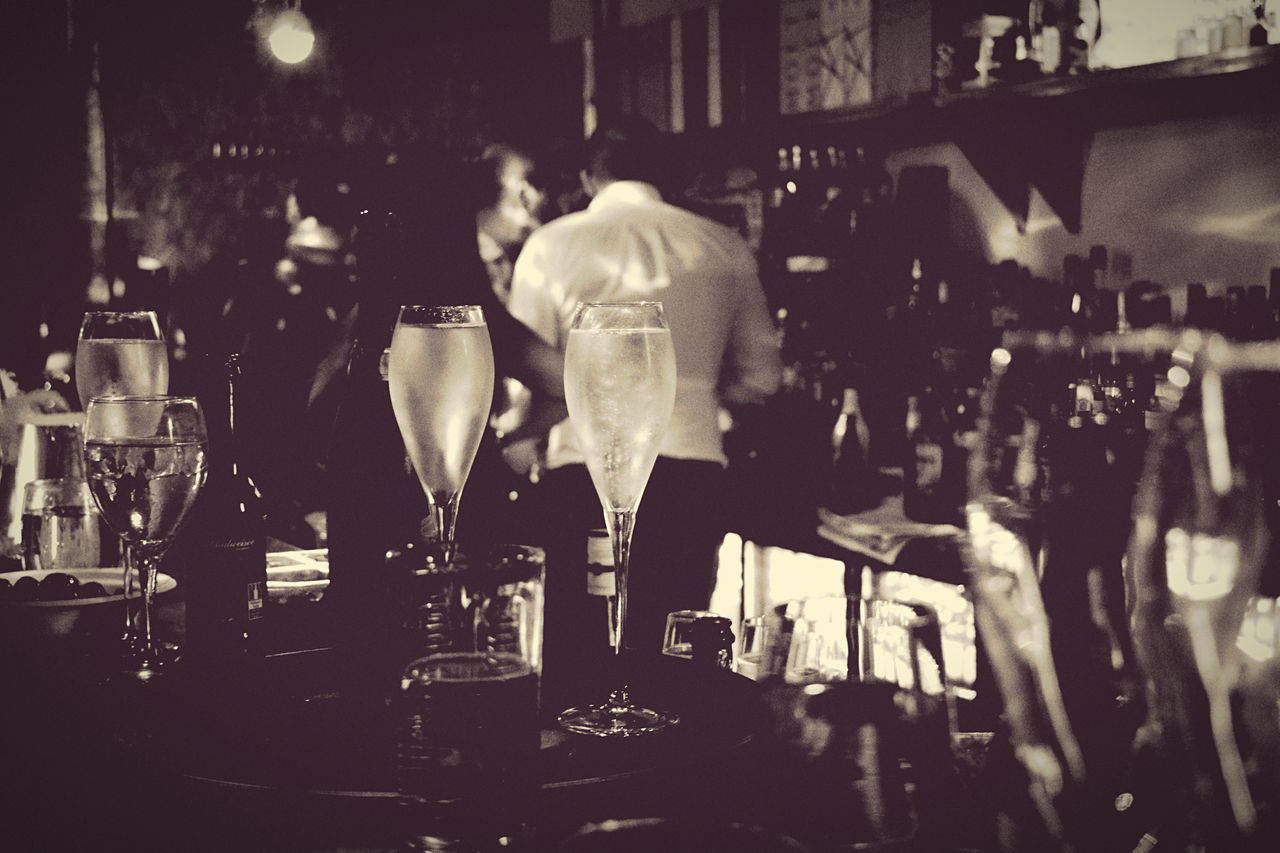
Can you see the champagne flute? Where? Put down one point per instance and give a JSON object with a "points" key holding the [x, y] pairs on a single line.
{"points": [[1061, 441], [120, 353], [441, 375], [145, 462], [620, 390], [1203, 568]]}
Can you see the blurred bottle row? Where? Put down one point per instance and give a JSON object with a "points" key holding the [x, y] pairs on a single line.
{"points": [[886, 332]]}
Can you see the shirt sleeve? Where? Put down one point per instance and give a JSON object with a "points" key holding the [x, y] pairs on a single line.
{"points": [[531, 300], [755, 362]]}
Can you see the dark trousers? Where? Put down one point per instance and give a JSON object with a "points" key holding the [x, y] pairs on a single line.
{"points": [[674, 547]]}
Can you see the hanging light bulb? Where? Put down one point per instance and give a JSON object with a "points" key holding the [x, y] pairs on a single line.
{"points": [[290, 37]]}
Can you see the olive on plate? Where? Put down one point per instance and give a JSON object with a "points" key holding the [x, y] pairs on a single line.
{"points": [[6, 589], [26, 588], [58, 586], [92, 589]]}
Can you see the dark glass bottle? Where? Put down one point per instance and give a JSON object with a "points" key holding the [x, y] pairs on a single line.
{"points": [[413, 246], [853, 486], [938, 422], [225, 545]]}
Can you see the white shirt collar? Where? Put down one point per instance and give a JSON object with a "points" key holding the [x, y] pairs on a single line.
{"points": [[625, 192]]}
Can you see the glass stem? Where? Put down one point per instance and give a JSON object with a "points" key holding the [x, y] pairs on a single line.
{"points": [[129, 563], [620, 527], [446, 518], [146, 564]]}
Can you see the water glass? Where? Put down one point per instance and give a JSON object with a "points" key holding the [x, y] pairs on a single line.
{"points": [[859, 699], [60, 526], [467, 719], [677, 639], [751, 647]]}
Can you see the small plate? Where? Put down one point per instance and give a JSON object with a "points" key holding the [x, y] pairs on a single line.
{"points": [[111, 579]]}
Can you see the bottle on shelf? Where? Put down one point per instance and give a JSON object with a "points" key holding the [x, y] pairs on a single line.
{"points": [[224, 545], [374, 503], [853, 486], [933, 479]]}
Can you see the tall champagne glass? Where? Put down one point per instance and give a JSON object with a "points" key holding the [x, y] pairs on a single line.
{"points": [[620, 389], [1061, 441], [121, 353], [145, 462], [1205, 573], [441, 377]]}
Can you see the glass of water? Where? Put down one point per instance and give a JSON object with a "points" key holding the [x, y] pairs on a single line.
{"points": [[60, 526]]}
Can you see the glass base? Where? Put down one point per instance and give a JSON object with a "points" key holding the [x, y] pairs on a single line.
{"points": [[615, 720], [144, 662]]}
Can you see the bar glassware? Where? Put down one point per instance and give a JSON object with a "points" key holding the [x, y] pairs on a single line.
{"points": [[441, 377], [121, 353], [620, 389], [145, 460], [1062, 433]]}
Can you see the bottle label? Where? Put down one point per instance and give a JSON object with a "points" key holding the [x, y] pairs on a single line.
{"points": [[257, 598], [601, 581], [928, 465], [240, 557], [600, 577]]}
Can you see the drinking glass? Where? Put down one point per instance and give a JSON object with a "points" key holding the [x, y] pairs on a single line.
{"points": [[620, 390], [121, 353], [440, 370], [59, 526], [145, 462], [1205, 575], [1062, 433], [857, 692], [677, 638]]}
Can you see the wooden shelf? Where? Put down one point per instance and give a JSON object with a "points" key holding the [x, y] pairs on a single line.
{"points": [[1038, 133]]}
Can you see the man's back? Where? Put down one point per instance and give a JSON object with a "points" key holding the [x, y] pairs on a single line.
{"points": [[630, 245]]}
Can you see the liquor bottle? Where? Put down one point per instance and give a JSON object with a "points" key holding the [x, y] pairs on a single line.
{"points": [[602, 584], [224, 545], [410, 249], [712, 638], [933, 472], [852, 487]]}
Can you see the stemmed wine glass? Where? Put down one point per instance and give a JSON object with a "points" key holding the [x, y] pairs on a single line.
{"points": [[145, 462], [1062, 434], [120, 353], [441, 375], [1206, 616], [620, 389]]}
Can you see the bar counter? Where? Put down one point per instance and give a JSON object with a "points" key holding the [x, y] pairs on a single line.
{"points": [[286, 755]]}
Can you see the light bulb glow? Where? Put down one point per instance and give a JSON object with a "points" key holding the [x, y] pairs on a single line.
{"points": [[290, 38]]}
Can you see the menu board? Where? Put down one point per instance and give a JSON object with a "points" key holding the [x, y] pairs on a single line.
{"points": [[825, 49]]}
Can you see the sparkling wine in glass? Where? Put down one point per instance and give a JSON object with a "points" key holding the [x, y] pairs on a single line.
{"points": [[620, 390], [145, 459], [121, 353], [441, 375]]}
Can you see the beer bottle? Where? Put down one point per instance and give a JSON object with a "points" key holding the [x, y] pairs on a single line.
{"points": [[225, 545]]}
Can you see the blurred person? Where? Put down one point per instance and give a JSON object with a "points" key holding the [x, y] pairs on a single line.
{"points": [[512, 204], [629, 244], [284, 317], [511, 208]]}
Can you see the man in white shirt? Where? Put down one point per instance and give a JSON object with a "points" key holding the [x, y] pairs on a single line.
{"points": [[631, 245]]}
